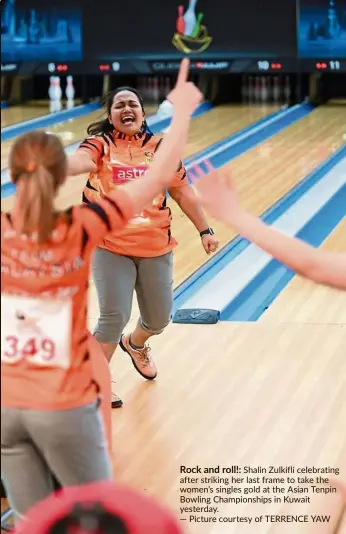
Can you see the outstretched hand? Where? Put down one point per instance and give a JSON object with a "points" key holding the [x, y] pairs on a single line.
{"points": [[216, 192], [185, 96]]}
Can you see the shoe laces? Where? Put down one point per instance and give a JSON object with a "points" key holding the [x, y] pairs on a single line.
{"points": [[144, 355]]}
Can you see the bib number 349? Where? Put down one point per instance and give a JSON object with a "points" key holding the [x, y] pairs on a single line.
{"points": [[36, 330]]}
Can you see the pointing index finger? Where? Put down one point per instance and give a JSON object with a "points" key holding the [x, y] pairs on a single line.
{"points": [[183, 71]]}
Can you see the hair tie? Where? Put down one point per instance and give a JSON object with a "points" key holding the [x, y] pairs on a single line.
{"points": [[31, 166]]}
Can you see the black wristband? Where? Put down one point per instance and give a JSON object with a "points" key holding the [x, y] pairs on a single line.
{"points": [[208, 231]]}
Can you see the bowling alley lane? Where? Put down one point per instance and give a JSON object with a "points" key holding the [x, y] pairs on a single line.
{"points": [[304, 302], [16, 114], [70, 131], [263, 175], [205, 130], [224, 121]]}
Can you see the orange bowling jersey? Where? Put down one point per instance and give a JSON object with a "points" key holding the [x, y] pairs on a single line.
{"points": [[120, 159], [45, 362]]}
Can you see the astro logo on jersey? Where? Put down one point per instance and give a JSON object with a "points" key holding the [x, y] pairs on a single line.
{"points": [[123, 174]]}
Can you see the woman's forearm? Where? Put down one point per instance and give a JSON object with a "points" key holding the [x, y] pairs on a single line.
{"points": [[316, 264], [80, 163]]}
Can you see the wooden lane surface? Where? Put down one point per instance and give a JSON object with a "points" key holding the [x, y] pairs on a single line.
{"points": [[70, 131], [304, 302], [16, 114], [248, 394]]}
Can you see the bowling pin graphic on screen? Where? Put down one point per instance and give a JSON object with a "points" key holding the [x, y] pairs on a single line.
{"points": [[190, 18], [180, 26]]}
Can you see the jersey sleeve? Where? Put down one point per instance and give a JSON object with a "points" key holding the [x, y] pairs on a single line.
{"points": [[180, 177], [94, 146], [104, 216]]}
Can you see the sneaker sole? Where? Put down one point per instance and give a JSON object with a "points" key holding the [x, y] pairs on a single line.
{"points": [[134, 363], [117, 403]]}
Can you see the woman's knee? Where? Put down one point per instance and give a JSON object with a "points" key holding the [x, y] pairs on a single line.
{"points": [[156, 320], [111, 325], [154, 329]]}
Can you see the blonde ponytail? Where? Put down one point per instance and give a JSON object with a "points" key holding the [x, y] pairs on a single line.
{"points": [[36, 199], [38, 167]]}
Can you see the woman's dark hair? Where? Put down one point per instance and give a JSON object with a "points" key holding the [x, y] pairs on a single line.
{"points": [[104, 126]]}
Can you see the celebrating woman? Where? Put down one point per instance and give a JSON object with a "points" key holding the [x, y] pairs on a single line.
{"points": [[138, 257]]}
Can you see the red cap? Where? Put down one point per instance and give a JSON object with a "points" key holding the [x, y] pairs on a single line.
{"points": [[139, 513]]}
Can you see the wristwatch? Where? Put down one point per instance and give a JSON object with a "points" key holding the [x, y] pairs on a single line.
{"points": [[208, 231]]}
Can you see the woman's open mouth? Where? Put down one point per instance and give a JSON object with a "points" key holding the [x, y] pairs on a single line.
{"points": [[127, 120]]}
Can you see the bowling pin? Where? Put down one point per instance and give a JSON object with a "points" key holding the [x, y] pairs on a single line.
{"points": [[58, 90], [190, 18], [54, 93], [58, 93], [180, 25], [51, 90], [69, 91]]}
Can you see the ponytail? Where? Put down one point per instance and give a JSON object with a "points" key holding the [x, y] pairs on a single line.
{"points": [[38, 167], [36, 192]]}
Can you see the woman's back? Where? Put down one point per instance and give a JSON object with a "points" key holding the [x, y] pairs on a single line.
{"points": [[44, 309]]}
